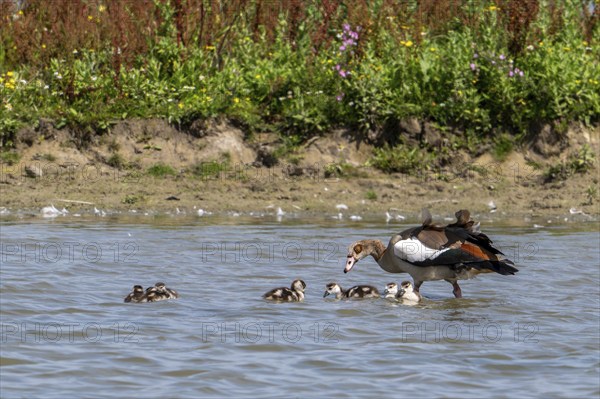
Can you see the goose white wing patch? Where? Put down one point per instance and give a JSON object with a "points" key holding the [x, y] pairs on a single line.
{"points": [[412, 250]]}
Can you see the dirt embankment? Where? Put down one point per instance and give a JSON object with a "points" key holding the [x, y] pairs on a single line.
{"points": [[148, 165]]}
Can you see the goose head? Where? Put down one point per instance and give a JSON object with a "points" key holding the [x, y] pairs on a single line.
{"points": [[361, 249]]}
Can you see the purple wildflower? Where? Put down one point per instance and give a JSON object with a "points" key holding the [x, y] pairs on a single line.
{"points": [[339, 97], [502, 57], [346, 27], [475, 55], [511, 74], [343, 73], [472, 66], [337, 67], [342, 48], [521, 74]]}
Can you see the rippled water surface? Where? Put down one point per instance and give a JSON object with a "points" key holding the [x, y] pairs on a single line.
{"points": [[66, 331]]}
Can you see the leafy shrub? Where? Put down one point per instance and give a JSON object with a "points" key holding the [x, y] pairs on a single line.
{"points": [[161, 170]]}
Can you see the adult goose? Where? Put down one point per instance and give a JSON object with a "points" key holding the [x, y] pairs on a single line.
{"points": [[457, 251]]}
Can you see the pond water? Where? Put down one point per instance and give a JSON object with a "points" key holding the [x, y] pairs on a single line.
{"points": [[66, 331]]}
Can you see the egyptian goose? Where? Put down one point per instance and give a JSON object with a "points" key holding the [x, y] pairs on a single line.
{"points": [[137, 295], [358, 291], [293, 294], [457, 251]]}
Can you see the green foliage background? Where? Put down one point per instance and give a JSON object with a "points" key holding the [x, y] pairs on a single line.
{"points": [[486, 68]]}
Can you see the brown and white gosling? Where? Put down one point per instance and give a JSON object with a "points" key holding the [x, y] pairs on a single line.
{"points": [[137, 295], [358, 291], [284, 294], [160, 292], [406, 293]]}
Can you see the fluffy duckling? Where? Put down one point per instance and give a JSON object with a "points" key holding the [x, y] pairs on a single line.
{"points": [[137, 295], [391, 291], [358, 291], [160, 292], [407, 293], [284, 294]]}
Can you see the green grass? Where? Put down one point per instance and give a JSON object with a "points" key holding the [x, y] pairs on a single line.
{"points": [[116, 160], [342, 169], [371, 195], [10, 157], [161, 170], [582, 162], [401, 159], [211, 169]]}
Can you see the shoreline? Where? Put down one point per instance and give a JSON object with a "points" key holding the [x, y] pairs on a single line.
{"points": [[224, 173]]}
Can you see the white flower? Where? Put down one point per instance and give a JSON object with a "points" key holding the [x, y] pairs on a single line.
{"points": [[530, 47], [94, 78]]}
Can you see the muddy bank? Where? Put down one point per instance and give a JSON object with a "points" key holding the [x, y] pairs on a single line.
{"points": [[149, 166]]}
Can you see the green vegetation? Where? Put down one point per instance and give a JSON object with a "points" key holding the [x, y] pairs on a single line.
{"points": [[161, 170], [401, 159], [342, 169], [581, 162], [503, 146], [211, 169], [116, 160], [9, 157], [300, 68], [371, 195], [131, 199]]}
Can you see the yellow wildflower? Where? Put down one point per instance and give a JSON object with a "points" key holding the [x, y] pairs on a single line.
{"points": [[43, 46], [90, 18], [20, 12], [102, 8], [492, 8], [433, 49], [180, 105], [408, 43], [10, 73], [257, 76], [236, 100], [209, 48]]}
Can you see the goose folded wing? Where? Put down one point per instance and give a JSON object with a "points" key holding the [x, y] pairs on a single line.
{"points": [[426, 247]]}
